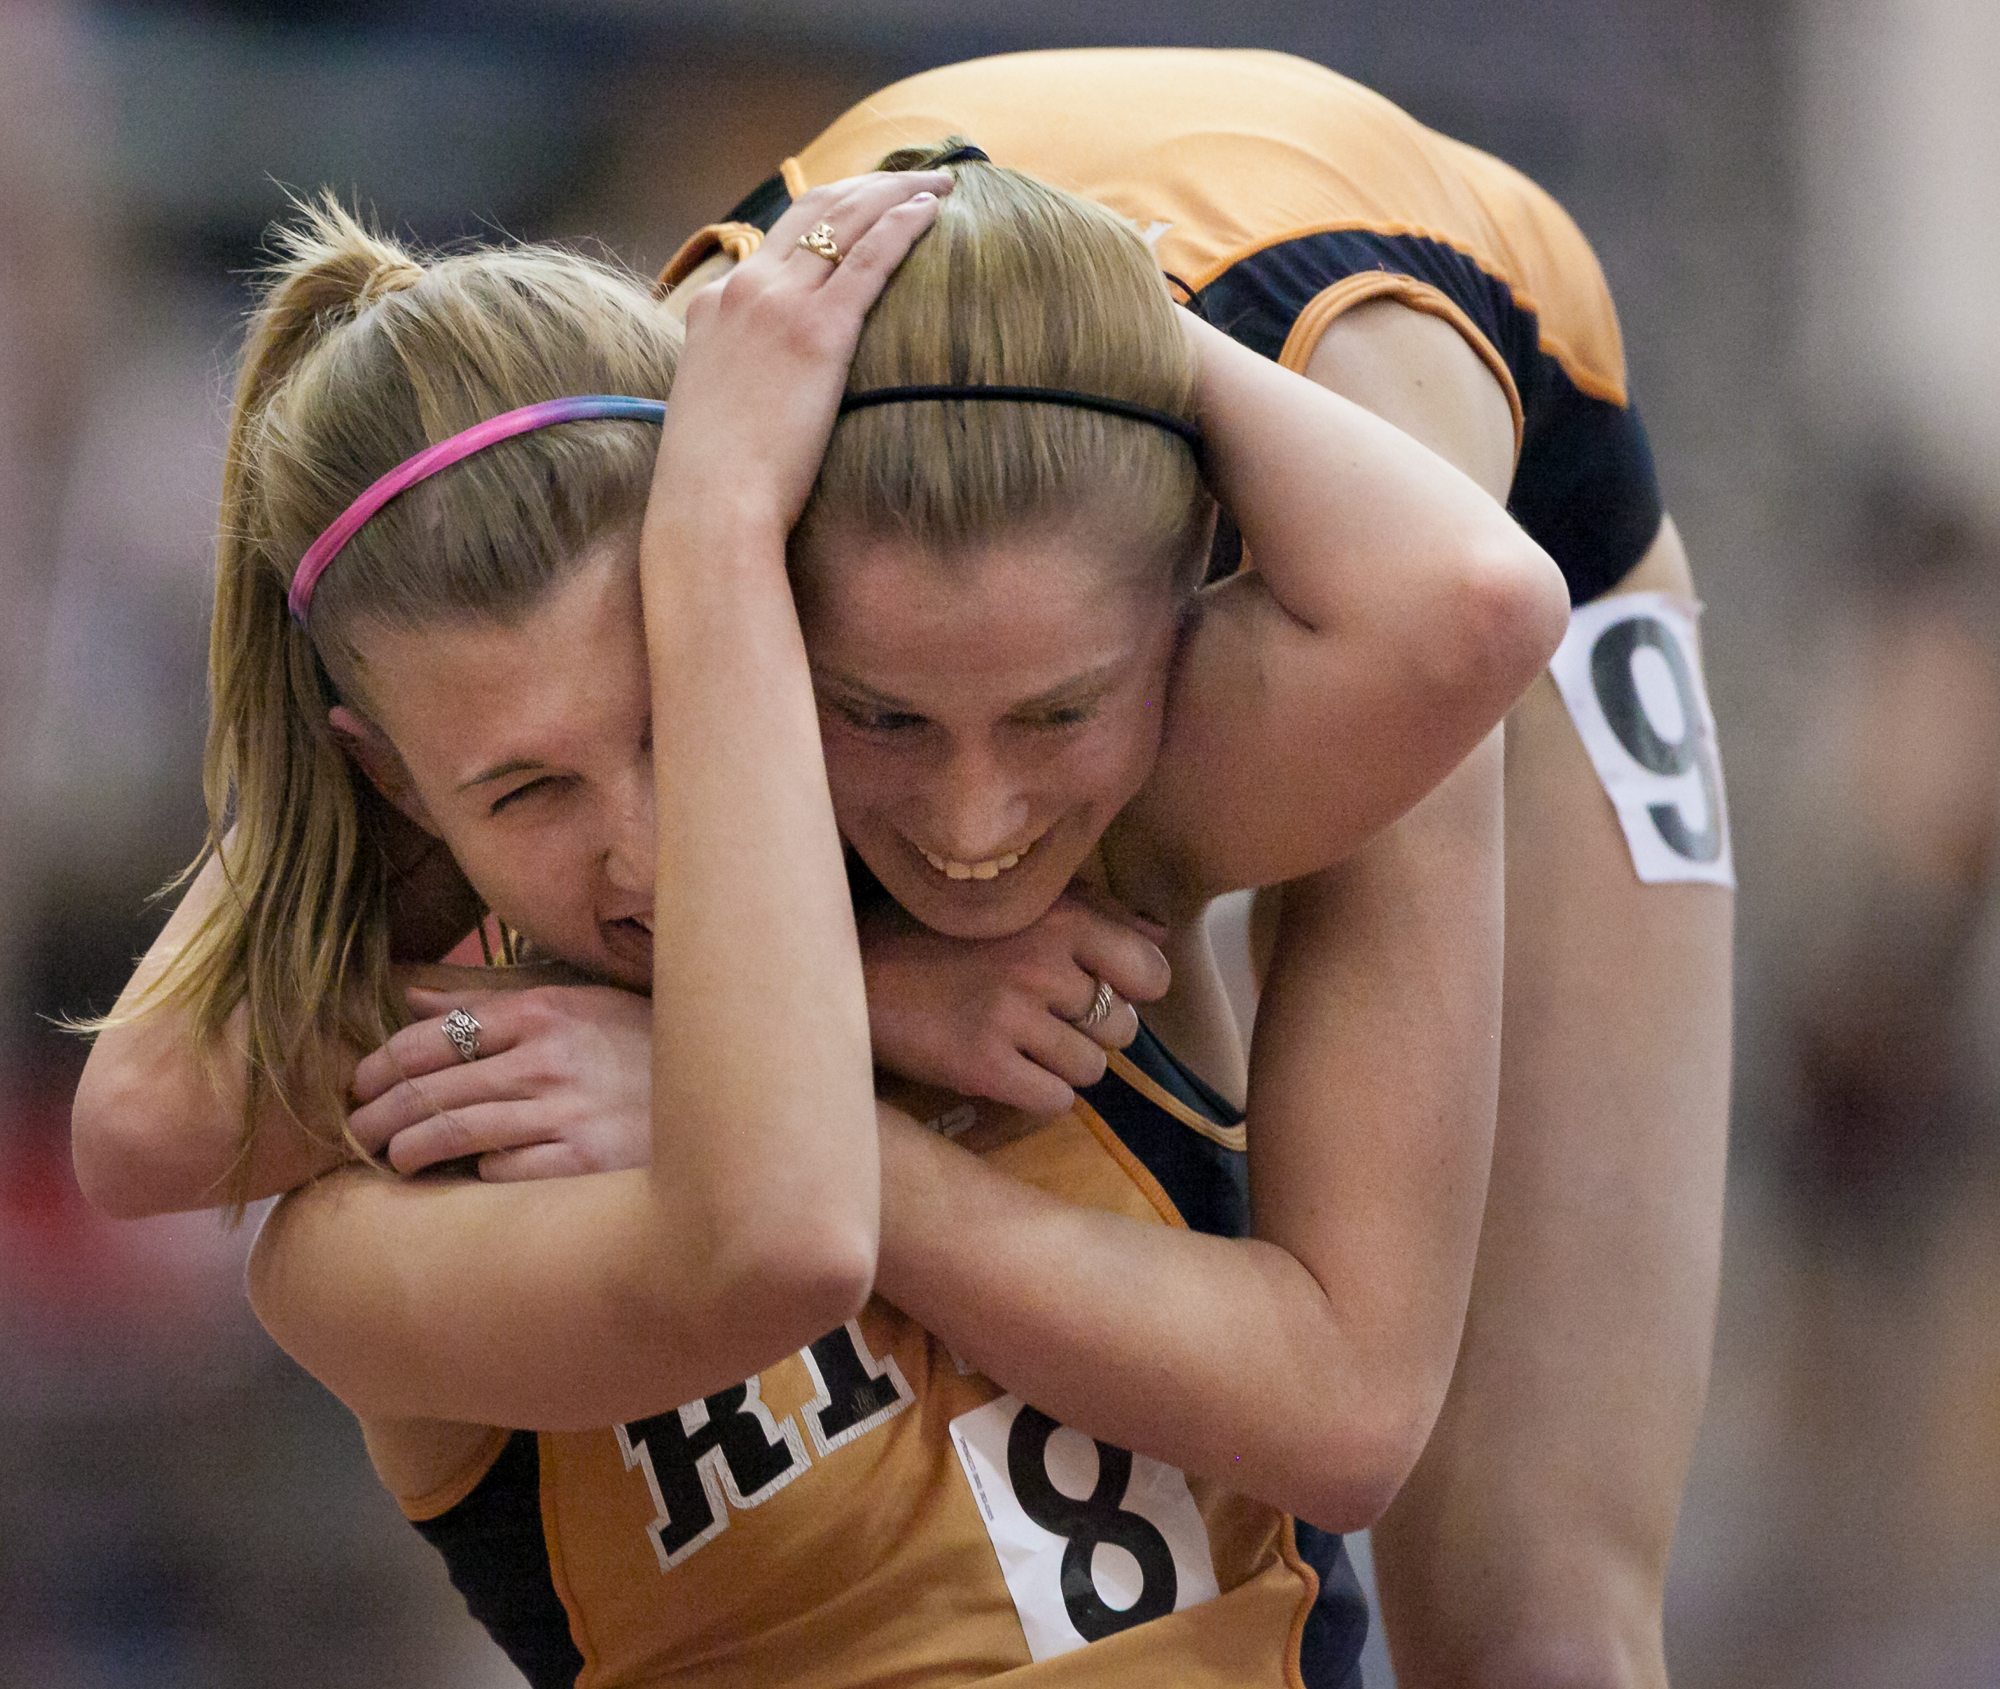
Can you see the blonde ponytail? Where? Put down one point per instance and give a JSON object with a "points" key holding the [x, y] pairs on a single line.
{"points": [[360, 354]]}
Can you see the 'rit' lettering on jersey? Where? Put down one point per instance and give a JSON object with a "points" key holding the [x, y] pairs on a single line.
{"points": [[728, 1451]]}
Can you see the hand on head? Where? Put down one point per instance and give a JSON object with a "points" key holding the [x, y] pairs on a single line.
{"points": [[768, 347]]}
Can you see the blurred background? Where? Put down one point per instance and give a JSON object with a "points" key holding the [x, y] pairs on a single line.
{"points": [[1799, 211]]}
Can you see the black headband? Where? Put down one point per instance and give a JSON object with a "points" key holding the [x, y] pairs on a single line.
{"points": [[964, 153], [1175, 425]]}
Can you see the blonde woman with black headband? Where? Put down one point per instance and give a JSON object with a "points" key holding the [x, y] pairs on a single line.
{"points": [[997, 621]]}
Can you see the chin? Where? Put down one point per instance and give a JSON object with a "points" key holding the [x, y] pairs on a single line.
{"points": [[975, 909]]}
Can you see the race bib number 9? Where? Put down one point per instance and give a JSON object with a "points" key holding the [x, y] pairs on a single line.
{"points": [[1092, 1539], [1630, 673]]}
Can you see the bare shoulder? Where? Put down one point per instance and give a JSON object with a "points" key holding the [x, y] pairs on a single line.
{"points": [[1420, 372]]}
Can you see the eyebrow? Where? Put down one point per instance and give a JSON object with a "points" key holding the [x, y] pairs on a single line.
{"points": [[500, 770], [1091, 680]]}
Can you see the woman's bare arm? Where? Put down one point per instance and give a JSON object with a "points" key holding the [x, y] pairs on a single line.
{"points": [[1392, 614], [1304, 1366], [579, 1302], [157, 1123]]}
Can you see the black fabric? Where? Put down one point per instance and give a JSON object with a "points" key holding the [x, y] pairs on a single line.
{"points": [[763, 205], [1585, 487], [1207, 1182], [498, 1558], [1330, 1649]]}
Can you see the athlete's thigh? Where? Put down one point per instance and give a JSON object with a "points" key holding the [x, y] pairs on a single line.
{"points": [[1533, 1538]]}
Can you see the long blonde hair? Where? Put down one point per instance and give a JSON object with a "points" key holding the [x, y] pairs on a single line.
{"points": [[1016, 283], [360, 353]]}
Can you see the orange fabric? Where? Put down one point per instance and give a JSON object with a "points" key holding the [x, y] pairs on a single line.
{"points": [[442, 1498], [739, 240], [1217, 155], [871, 1564]]}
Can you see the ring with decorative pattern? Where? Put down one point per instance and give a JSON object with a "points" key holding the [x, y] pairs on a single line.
{"points": [[463, 1031], [1100, 1006]]}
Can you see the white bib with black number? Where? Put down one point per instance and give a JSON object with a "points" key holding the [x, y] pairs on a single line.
{"points": [[1630, 672], [1092, 1539]]}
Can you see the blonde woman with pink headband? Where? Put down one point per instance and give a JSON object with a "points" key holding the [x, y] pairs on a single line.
{"points": [[996, 629]]}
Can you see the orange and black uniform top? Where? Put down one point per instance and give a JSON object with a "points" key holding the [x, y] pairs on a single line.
{"points": [[872, 1510], [1277, 195]]}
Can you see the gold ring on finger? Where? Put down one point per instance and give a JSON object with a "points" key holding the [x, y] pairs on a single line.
{"points": [[819, 241]]}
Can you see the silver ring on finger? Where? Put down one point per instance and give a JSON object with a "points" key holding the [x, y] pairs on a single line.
{"points": [[1100, 1006], [819, 241], [463, 1031]]}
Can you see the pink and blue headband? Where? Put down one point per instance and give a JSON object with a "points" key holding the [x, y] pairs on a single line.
{"points": [[445, 453], [528, 418]]}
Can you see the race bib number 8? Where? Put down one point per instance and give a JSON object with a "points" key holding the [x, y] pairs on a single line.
{"points": [[1092, 1539], [1630, 673]]}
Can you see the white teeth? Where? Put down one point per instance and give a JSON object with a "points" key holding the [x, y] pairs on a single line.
{"points": [[991, 869]]}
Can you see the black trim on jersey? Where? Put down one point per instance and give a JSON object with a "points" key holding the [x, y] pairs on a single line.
{"points": [[1585, 488], [1210, 1185], [498, 1557], [1330, 1649], [763, 205], [1207, 1182]]}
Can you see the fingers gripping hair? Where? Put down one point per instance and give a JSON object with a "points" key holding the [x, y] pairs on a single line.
{"points": [[1017, 284]]}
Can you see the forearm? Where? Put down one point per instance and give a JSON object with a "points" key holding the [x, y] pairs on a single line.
{"points": [[1392, 615], [1305, 1365], [543, 1305], [157, 1124], [753, 925], [1177, 1344], [765, 1163]]}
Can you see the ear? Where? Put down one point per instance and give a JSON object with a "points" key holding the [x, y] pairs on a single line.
{"points": [[370, 750]]}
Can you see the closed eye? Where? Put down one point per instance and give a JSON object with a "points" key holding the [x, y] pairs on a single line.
{"points": [[1056, 719], [881, 721], [546, 783]]}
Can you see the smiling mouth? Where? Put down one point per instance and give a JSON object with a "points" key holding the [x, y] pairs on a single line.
{"points": [[991, 869]]}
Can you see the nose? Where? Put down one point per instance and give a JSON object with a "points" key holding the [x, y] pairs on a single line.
{"points": [[631, 852], [978, 808]]}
